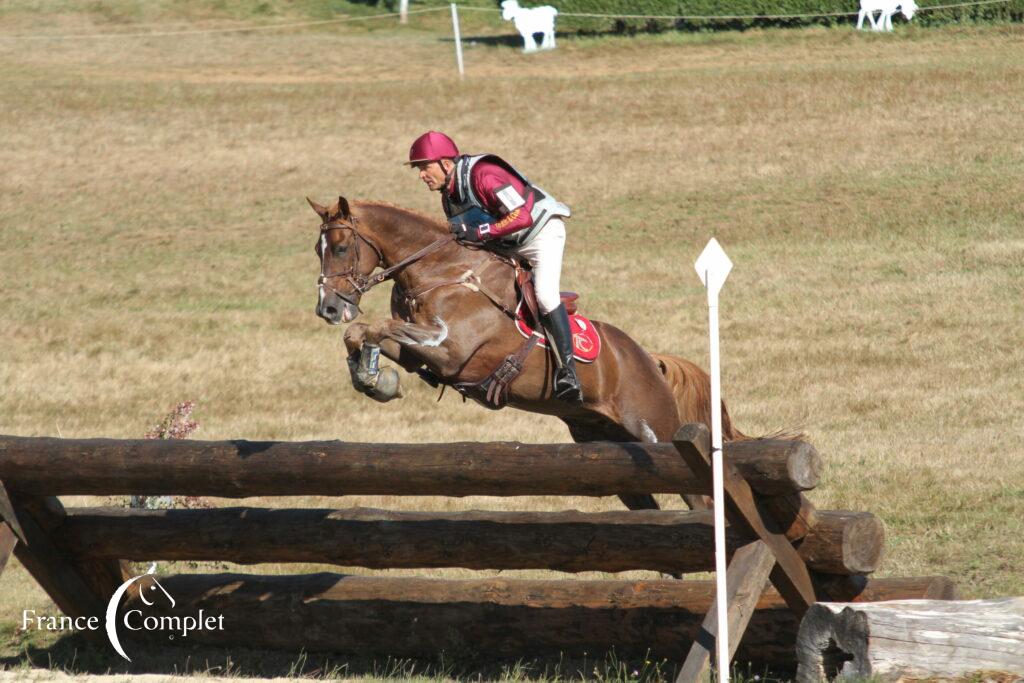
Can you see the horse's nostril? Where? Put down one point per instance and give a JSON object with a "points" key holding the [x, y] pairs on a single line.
{"points": [[331, 310]]}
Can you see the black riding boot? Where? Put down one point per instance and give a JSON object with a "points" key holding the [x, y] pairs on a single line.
{"points": [[566, 385]]}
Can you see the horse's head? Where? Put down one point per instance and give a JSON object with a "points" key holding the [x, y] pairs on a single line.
{"points": [[908, 7], [347, 258]]}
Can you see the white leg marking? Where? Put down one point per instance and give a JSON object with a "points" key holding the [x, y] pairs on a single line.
{"points": [[418, 338], [442, 334], [648, 434]]}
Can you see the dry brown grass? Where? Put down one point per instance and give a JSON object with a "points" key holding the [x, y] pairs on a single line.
{"points": [[156, 246]]}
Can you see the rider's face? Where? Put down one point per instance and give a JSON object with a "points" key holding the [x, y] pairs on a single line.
{"points": [[432, 173]]}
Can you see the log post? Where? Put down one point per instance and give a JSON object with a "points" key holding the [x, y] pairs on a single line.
{"points": [[103, 575], [55, 572], [745, 581], [8, 540], [79, 588], [911, 639]]}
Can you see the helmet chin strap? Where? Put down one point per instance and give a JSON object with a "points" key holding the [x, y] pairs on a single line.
{"points": [[447, 176]]}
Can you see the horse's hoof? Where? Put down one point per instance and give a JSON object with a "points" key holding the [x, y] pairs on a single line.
{"points": [[388, 386]]}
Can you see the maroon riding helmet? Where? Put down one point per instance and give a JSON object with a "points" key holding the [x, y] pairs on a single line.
{"points": [[432, 146]]}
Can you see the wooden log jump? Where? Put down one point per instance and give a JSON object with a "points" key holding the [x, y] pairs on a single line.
{"points": [[776, 536], [419, 617], [239, 469], [664, 541]]}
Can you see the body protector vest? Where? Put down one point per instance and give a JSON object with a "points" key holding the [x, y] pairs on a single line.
{"points": [[464, 199]]}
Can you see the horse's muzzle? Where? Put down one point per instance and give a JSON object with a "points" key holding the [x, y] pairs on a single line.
{"points": [[337, 312]]}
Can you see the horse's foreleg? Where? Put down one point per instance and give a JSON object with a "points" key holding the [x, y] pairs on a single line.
{"points": [[428, 343], [363, 359], [860, 19]]}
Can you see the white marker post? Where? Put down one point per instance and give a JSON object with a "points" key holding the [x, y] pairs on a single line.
{"points": [[458, 39], [713, 267]]}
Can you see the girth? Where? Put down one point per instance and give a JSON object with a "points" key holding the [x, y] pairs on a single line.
{"points": [[495, 386]]}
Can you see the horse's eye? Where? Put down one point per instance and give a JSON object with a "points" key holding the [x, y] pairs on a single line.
{"points": [[339, 250]]}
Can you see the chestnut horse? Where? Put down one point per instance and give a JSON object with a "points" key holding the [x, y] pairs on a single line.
{"points": [[449, 323]]}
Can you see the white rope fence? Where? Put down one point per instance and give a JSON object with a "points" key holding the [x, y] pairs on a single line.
{"points": [[346, 19], [233, 29], [736, 16]]}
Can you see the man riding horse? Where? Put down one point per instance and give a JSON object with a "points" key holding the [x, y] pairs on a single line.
{"points": [[488, 202]]}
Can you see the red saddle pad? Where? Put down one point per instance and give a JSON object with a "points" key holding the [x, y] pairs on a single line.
{"points": [[586, 343]]}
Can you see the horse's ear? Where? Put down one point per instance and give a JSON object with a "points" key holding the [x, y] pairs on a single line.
{"points": [[320, 210], [343, 209]]}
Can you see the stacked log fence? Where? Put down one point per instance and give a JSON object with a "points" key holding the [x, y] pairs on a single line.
{"points": [[778, 541]]}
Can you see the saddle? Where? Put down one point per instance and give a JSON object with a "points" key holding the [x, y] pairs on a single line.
{"points": [[585, 340], [527, 297]]}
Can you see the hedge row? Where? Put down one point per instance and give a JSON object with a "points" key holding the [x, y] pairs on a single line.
{"points": [[1012, 10]]}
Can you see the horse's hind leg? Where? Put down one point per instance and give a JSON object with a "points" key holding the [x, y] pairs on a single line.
{"points": [[582, 432], [645, 433]]}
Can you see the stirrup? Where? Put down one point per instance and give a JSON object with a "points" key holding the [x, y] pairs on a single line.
{"points": [[565, 386]]}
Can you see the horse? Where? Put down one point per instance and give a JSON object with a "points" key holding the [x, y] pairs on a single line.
{"points": [[452, 324], [885, 9]]}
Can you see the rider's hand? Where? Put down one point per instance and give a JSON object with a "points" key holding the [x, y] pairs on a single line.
{"points": [[470, 233], [458, 229]]}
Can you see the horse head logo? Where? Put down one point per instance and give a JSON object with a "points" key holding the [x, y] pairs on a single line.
{"points": [[148, 594]]}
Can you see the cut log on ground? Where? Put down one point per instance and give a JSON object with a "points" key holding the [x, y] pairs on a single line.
{"points": [[420, 617], [911, 639], [238, 469], [665, 541]]}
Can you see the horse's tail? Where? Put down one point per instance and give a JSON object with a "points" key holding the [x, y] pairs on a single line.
{"points": [[691, 387]]}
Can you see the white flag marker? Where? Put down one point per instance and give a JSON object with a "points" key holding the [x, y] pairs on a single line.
{"points": [[713, 267]]}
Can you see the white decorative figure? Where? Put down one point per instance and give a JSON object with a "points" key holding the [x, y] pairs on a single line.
{"points": [[529, 21], [885, 8]]}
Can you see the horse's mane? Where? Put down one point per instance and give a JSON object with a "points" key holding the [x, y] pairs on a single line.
{"points": [[403, 212], [400, 213]]}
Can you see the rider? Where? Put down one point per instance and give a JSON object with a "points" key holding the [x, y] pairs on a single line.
{"points": [[488, 201]]}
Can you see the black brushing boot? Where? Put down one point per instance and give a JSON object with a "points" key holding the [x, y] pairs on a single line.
{"points": [[566, 385]]}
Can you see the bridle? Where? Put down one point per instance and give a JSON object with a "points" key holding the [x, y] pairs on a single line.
{"points": [[362, 283]]}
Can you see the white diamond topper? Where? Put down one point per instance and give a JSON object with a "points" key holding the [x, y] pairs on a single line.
{"points": [[713, 267]]}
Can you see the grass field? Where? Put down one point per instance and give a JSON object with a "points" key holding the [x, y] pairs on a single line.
{"points": [[157, 247]]}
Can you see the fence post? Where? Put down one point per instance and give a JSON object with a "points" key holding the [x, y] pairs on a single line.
{"points": [[458, 40]]}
